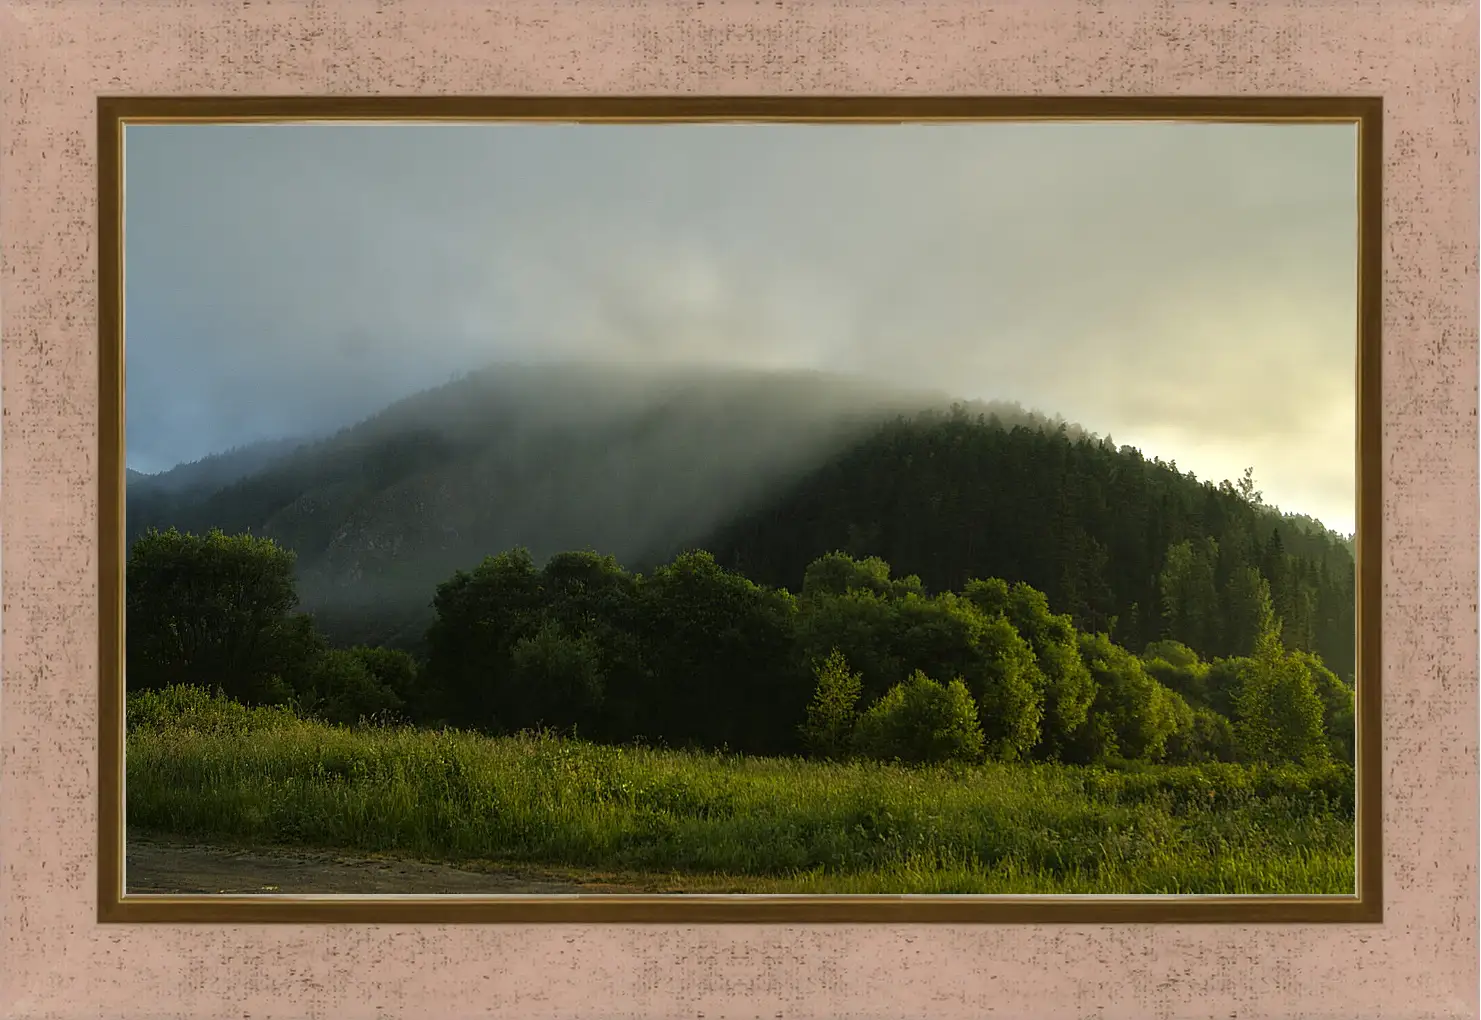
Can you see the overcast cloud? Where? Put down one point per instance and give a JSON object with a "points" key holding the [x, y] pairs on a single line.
{"points": [[1187, 289]]}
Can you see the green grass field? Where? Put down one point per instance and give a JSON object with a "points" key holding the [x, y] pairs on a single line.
{"points": [[211, 770]]}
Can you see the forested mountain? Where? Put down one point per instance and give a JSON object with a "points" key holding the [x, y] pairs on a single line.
{"points": [[1125, 545], [768, 471], [636, 464], [216, 470], [160, 496]]}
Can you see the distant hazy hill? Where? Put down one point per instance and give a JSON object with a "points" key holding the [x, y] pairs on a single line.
{"points": [[767, 470], [155, 497], [637, 464]]}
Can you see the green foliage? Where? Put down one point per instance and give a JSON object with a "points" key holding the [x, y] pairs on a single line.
{"points": [[1176, 667], [1204, 736], [921, 722], [830, 718], [201, 711], [584, 590], [1174, 653], [860, 625], [342, 689], [557, 679], [1133, 715], [1248, 606], [215, 609], [722, 658], [397, 672], [697, 655], [1124, 544], [1278, 711], [1069, 688], [990, 595], [1221, 682], [1338, 708], [887, 631], [720, 823], [1190, 598], [838, 573], [1008, 688], [481, 615]]}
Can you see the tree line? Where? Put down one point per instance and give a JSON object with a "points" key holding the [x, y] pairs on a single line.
{"points": [[1125, 545], [857, 662]]}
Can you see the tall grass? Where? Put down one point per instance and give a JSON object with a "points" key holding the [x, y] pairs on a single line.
{"points": [[209, 769]]}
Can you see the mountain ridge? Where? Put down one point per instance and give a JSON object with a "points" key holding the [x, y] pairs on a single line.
{"points": [[632, 462]]}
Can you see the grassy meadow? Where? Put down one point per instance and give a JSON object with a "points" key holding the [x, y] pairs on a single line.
{"points": [[207, 769]]}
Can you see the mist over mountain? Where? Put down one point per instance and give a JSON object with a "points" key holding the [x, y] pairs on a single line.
{"points": [[768, 470], [212, 472], [636, 462]]}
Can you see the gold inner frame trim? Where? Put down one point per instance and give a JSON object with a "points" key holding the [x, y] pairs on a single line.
{"points": [[1364, 906]]}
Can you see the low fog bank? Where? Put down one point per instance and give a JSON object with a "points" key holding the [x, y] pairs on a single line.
{"points": [[638, 462]]}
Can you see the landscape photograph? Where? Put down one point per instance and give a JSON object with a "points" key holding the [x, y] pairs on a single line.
{"points": [[538, 508]]}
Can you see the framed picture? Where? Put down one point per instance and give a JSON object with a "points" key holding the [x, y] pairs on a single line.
{"points": [[609, 553], [750, 534]]}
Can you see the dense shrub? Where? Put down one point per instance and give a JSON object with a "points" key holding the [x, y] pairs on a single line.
{"points": [[1207, 737], [556, 680], [397, 671], [921, 722], [200, 711], [342, 689], [1132, 715]]}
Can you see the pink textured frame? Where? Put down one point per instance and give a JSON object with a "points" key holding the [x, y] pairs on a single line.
{"points": [[56, 961]]}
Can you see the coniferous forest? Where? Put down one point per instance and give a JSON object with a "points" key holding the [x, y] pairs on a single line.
{"points": [[949, 650]]}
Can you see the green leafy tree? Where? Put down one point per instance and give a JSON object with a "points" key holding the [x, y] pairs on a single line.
{"points": [[1339, 719], [1222, 680], [1009, 690], [838, 573], [834, 709], [1246, 489], [596, 602], [1247, 605], [1069, 688], [1278, 712], [721, 657], [887, 633], [586, 591], [481, 615], [990, 595], [1133, 715], [921, 722], [213, 610], [860, 625], [556, 680]]}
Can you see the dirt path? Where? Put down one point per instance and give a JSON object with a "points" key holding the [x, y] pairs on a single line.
{"points": [[162, 866]]}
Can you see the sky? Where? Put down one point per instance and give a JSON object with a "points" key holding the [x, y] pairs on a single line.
{"points": [[1188, 289]]}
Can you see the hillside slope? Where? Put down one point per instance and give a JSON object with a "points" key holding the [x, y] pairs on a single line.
{"points": [[639, 465], [961, 495], [769, 471]]}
